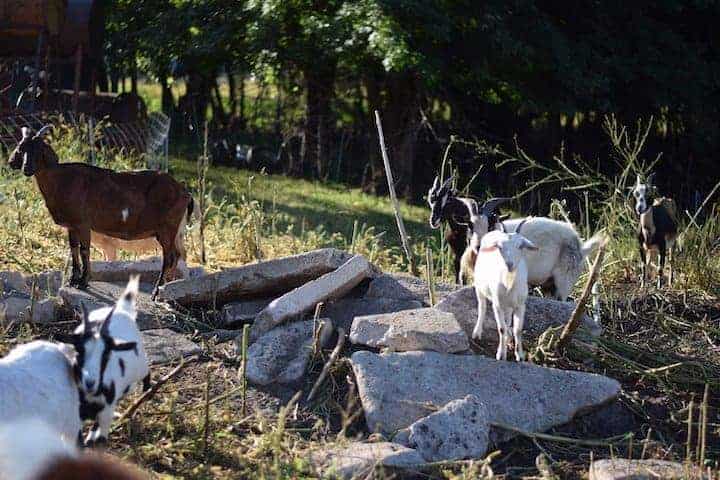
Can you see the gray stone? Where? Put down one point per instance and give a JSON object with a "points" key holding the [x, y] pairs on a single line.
{"points": [[406, 287], [294, 304], [457, 431], [120, 271], [100, 294], [163, 346], [11, 281], [343, 311], [397, 389], [421, 329], [540, 314], [16, 308], [46, 283], [282, 354], [358, 460], [236, 314], [624, 469], [264, 279]]}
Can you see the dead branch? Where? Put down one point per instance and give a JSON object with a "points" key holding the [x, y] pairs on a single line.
{"points": [[333, 356]]}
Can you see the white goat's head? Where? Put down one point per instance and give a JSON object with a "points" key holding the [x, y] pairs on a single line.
{"points": [[510, 245], [482, 219]]}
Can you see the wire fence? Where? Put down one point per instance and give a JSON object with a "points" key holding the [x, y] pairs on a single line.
{"points": [[148, 137]]}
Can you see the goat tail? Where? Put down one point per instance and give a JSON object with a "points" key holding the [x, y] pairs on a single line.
{"points": [[128, 300], [592, 243]]}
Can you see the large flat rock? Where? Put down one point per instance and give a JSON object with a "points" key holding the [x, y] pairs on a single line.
{"points": [[343, 311], [264, 279], [397, 389], [406, 287], [147, 268], [457, 431], [46, 283], [420, 329], [164, 346], [294, 304], [101, 294], [624, 469], [540, 314], [359, 460], [282, 354]]}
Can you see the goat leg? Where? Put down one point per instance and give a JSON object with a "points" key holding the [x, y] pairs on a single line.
{"points": [[168, 264], [661, 267], [84, 237], [75, 253], [643, 265]]}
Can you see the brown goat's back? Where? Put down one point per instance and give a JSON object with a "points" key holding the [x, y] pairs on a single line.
{"points": [[90, 467]]}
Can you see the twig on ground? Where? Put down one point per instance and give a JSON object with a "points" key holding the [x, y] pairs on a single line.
{"points": [[554, 438], [154, 389]]}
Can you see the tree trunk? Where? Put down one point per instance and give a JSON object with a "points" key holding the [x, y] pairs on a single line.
{"points": [[232, 87], [134, 79], [167, 100], [319, 86]]}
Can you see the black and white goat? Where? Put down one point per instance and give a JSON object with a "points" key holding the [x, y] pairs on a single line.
{"points": [[110, 360], [657, 227], [446, 206]]}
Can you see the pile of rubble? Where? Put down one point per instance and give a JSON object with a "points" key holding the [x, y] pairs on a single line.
{"points": [[421, 382]]}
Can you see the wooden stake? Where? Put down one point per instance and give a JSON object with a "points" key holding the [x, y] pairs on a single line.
{"points": [[393, 198], [577, 314]]}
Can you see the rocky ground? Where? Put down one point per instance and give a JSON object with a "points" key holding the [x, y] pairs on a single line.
{"points": [[418, 393]]}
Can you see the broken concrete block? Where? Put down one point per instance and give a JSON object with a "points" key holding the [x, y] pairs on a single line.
{"points": [[100, 294], [236, 314], [163, 346], [406, 287], [540, 314], [343, 311], [282, 354], [303, 299], [147, 268], [358, 460], [264, 279], [421, 329], [397, 389], [15, 308], [457, 431]]}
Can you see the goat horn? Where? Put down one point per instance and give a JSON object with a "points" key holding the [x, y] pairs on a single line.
{"points": [[105, 327], [491, 205], [520, 225], [43, 130], [436, 184], [448, 182], [651, 179], [501, 225]]}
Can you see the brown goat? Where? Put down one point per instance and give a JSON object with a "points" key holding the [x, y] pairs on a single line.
{"points": [[126, 205]]}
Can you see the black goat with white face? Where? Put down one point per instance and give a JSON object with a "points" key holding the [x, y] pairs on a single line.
{"points": [[446, 206], [657, 228]]}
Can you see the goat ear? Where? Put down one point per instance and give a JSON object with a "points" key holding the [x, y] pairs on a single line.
{"points": [[528, 245], [124, 346], [651, 179], [501, 227], [638, 182]]}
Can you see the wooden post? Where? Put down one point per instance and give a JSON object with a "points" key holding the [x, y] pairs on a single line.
{"points": [[393, 198], [78, 73]]}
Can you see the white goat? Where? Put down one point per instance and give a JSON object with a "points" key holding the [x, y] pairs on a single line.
{"points": [[110, 360], [36, 381], [501, 277], [30, 449], [560, 256]]}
